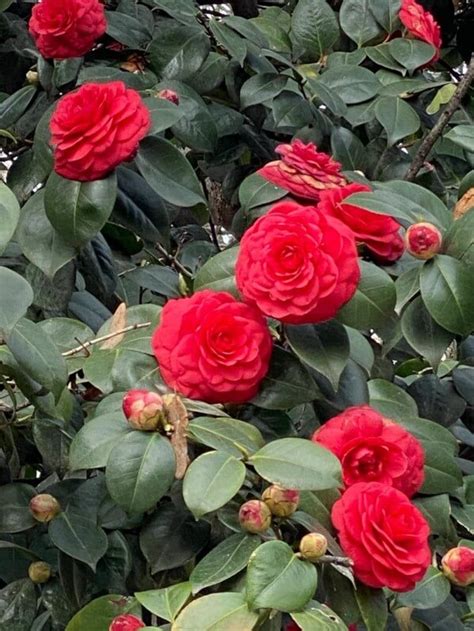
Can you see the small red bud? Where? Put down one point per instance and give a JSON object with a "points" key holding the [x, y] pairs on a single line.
{"points": [[143, 409], [423, 240], [255, 516], [169, 95], [39, 572], [281, 502], [458, 566], [126, 622], [313, 546], [44, 507]]}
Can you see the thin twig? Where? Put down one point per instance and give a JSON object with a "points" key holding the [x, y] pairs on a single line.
{"points": [[443, 120], [173, 261], [327, 558], [103, 338]]}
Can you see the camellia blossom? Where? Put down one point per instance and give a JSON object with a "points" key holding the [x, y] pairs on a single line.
{"points": [[255, 516], [67, 29], [303, 170], [212, 347], [95, 128], [458, 566], [423, 240], [379, 233], [372, 448], [421, 24], [296, 265], [127, 622], [384, 534]]}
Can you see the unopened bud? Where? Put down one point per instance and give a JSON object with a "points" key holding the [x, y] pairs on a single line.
{"points": [[127, 622], [143, 409], [255, 516], [39, 572], [423, 240], [458, 566], [44, 507], [169, 95], [281, 502], [32, 77], [313, 546]]}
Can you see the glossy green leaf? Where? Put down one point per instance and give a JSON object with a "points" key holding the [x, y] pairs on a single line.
{"points": [[411, 53], [163, 113], [165, 603], [235, 437], [431, 591], [373, 607], [15, 515], [397, 117], [9, 215], [216, 612], [255, 191], [218, 273], [14, 105], [318, 617], [352, 84], [17, 605], [261, 88], [15, 298], [98, 614], [462, 135], [314, 29], [92, 445], [358, 22], [391, 400]]}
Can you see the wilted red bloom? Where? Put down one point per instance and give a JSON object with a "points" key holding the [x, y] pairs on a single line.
{"points": [[143, 409], [67, 29], [281, 502], [303, 170], [212, 347], [255, 516], [127, 622], [458, 566], [423, 240], [372, 448], [169, 95], [297, 265], [384, 534], [421, 24], [379, 233], [95, 128]]}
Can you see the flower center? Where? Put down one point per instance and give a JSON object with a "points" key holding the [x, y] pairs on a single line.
{"points": [[373, 459]]}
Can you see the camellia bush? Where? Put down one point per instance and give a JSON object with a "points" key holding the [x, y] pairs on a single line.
{"points": [[236, 315]]}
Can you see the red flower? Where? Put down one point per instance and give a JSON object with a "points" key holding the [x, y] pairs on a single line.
{"points": [[303, 170], [67, 29], [126, 622], [421, 24], [458, 566], [212, 347], [384, 534], [379, 233], [169, 95], [255, 516], [95, 128], [372, 448], [144, 409], [423, 240], [297, 265]]}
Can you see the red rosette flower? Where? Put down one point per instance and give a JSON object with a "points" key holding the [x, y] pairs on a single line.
{"points": [[67, 29], [212, 347], [95, 128], [297, 265], [421, 24], [372, 448], [379, 233], [127, 622], [384, 534], [303, 170]]}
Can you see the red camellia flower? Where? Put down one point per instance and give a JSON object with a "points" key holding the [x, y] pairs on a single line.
{"points": [[67, 29], [126, 622], [144, 409], [421, 24], [297, 265], [372, 448], [303, 170], [95, 128], [379, 233], [423, 240], [384, 534], [212, 347], [458, 566], [169, 95], [255, 516]]}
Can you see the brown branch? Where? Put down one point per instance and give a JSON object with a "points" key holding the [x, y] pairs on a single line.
{"points": [[443, 120], [103, 338], [173, 260], [327, 558]]}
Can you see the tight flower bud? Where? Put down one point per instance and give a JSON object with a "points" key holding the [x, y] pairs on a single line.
{"points": [[169, 95], [255, 516], [39, 572], [44, 507], [281, 502], [458, 566], [143, 409], [313, 546], [423, 240], [126, 622]]}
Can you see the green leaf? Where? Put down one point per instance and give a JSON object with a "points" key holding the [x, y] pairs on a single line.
{"points": [[15, 515], [168, 172], [127, 29], [163, 113], [15, 105], [381, 56], [447, 289], [328, 96], [182, 10], [225, 560], [411, 53], [9, 215], [218, 273], [348, 149], [442, 97], [229, 40], [261, 88], [291, 111], [373, 607], [92, 445], [165, 603], [4, 4], [140, 470], [463, 136], [386, 13], [397, 117], [256, 191], [352, 84], [373, 302], [295, 463], [442, 473], [324, 347], [157, 278], [78, 210], [235, 437], [15, 298], [407, 287], [360, 349], [216, 612], [318, 617], [358, 22], [189, 59], [437, 511], [39, 241], [459, 240], [211, 481], [278, 579], [17, 605], [314, 29], [419, 199], [430, 592], [391, 400], [98, 614]]}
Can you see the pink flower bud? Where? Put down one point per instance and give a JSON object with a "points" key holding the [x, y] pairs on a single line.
{"points": [[423, 240], [313, 546], [281, 502], [255, 516], [39, 572], [126, 622], [458, 566], [169, 95], [143, 409], [44, 507]]}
